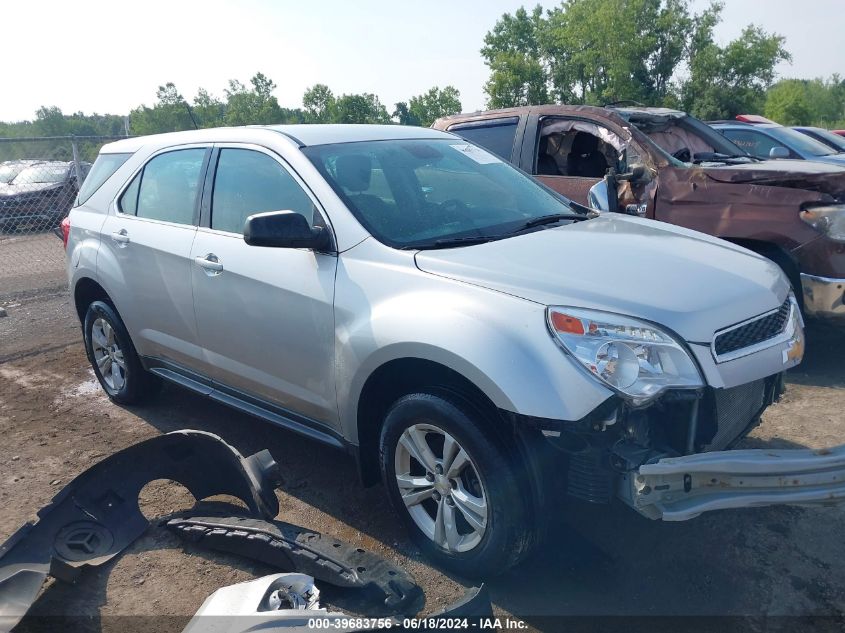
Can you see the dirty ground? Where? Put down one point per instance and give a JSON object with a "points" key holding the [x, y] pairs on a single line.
{"points": [[55, 422]]}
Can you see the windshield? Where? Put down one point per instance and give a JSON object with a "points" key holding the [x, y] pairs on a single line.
{"points": [[414, 193], [800, 142], [828, 138], [9, 170], [686, 140], [45, 173]]}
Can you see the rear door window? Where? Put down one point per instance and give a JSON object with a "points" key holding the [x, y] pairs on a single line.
{"points": [[249, 182], [167, 188], [496, 135], [94, 176]]}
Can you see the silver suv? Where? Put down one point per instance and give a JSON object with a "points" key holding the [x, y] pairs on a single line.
{"points": [[479, 343]]}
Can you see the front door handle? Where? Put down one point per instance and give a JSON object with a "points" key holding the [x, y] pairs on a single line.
{"points": [[209, 262], [121, 236]]}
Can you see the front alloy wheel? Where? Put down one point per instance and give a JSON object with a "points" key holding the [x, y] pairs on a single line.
{"points": [[441, 488], [454, 483]]}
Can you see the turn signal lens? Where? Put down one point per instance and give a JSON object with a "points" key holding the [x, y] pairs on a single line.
{"points": [[566, 324]]}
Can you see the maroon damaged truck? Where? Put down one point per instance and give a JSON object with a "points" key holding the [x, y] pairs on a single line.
{"points": [[666, 165]]}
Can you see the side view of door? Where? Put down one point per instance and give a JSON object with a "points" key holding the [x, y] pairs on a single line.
{"points": [[280, 300], [148, 237]]}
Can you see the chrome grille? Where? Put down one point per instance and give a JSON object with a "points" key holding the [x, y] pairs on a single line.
{"points": [[736, 409], [753, 332]]}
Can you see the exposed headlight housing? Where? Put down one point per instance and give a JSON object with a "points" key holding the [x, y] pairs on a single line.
{"points": [[826, 218], [636, 359]]}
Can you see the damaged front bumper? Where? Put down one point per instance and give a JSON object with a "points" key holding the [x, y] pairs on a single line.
{"points": [[824, 297], [681, 488]]}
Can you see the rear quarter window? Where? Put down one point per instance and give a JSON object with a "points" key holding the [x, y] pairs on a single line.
{"points": [[495, 135], [98, 173]]}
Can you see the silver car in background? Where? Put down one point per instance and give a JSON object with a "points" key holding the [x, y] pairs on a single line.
{"points": [[481, 345]]}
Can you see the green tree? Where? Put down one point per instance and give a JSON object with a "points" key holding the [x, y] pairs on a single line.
{"points": [[318, 102], [512, 52], [517, 33], [516, 79], [255, 106], [49, 121], [599, 51], [807, 102], [169, 114], [359, 108], [430, 106], [787, 103], [403, 115], [587, 51], [730, 80], [209, 111], [827, 100]]}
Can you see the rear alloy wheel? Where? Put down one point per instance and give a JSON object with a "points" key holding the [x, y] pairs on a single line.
{"points": [[454, 485], [113, 356], [107, 355]]}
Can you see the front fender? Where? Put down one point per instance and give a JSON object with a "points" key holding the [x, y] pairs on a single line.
{"points": [[496, 341]]}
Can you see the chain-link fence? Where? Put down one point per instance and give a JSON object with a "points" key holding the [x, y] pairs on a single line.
{"points": [[39, 179]]}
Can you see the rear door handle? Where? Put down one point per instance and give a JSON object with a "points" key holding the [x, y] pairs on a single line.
{"points": [[121, 236], [209, 262]]}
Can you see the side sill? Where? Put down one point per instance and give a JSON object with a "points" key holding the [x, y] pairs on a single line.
{"points": [[247, 404]]}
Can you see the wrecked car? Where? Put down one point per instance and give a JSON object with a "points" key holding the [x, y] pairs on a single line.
{"points": [[667, 165], [475, 341]]}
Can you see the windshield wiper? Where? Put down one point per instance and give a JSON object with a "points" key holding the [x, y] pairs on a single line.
{"points": [[551, 219], [469, 240]]}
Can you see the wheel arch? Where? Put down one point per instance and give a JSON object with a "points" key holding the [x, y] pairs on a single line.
{"points": [[398, 377], [85, 292]]}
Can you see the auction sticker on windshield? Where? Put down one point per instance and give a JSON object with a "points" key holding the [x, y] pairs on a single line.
{"points": [[476, 153]]}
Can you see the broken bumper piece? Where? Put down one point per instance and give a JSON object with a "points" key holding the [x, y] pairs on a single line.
{"points": [[96, 516], [291, 602], [681, 488], [381, 586]]}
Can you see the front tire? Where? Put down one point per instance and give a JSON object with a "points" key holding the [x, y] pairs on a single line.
{"points": [[113, 357], [454, 485]]}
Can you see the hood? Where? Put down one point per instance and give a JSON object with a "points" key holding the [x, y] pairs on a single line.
{"points": [[831, 159], [795, 174], [682, 279]]}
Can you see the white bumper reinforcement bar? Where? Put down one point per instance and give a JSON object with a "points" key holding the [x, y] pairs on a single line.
{"points": [[681, 488]]}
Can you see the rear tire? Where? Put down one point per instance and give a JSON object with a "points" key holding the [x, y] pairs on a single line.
{"points": [[113, 357], [454, 486]]}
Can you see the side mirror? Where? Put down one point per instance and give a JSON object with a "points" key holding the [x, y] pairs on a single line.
{"points": [[778, 152], [284, 229], [598, 198]]}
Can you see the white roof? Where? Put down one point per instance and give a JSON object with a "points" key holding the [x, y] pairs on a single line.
{"points": [[301, 135]]}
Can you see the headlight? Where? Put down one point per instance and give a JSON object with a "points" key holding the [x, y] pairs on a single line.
{"points": [[826, 218], [632, 357]]}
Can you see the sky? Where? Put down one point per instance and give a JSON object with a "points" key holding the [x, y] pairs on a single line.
{"points": [[109, 56]]}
